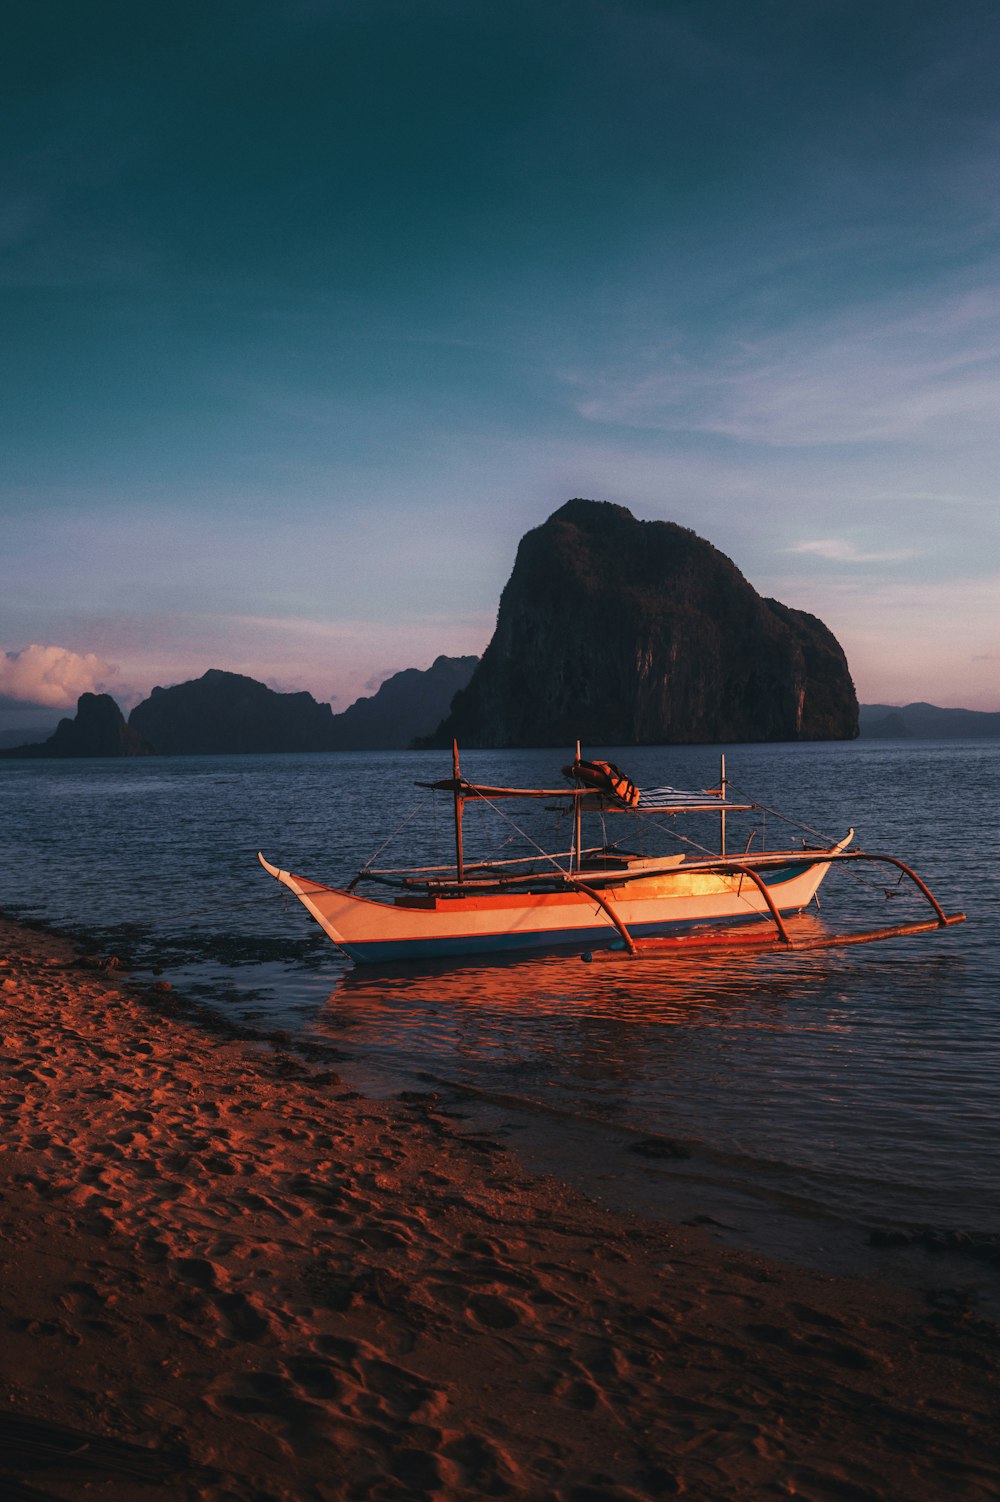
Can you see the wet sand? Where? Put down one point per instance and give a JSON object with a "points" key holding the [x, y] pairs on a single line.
{"points": [[226, 1276]]}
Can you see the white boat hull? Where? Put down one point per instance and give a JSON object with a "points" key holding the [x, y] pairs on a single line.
{"points": [[674, 901]]}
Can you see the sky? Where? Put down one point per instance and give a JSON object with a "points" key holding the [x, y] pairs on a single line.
{"points": [[310, 310]]}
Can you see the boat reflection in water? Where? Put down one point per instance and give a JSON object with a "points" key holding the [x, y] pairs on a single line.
{"points": [[746, 1056], [558, 1019]]}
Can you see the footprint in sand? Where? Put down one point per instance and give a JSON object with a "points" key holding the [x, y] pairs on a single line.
{"points": [[316, 1376], [483, 1467], [497, 1313], [422, 1473], [197, 1270], [242, 1318], [385, 1236], [578, 1394]]}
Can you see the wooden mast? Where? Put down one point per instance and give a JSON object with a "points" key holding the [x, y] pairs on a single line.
{"points": [[459, 806], [577, 820], [722, 815]]}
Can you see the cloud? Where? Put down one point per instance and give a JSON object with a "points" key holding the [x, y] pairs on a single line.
{"points": [[881, 373], [52, 676], [838, 550]]}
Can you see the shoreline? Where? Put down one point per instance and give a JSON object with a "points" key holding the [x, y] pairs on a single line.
{"points": [[227, 1276], [678, 1183], [625, 1169]]}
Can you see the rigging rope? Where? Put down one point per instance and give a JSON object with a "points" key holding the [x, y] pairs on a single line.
{"points": [[818, 834], [523, 833], [389, 839], [684, 839], [862, 875]]}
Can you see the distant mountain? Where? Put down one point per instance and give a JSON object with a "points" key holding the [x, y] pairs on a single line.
{"points": [[409, 704], [224, 713], [98, 729], [389, 720], [925, 722], [627, 632], [228, 713]]}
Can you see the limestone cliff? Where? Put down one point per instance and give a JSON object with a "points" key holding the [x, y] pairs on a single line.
{"points": [[625, 632]]}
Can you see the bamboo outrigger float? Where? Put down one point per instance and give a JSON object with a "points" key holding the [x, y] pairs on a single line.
{"points": [[598, 899]]}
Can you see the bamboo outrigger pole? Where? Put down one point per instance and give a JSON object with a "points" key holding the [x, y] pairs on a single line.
{"points": [[659, 943], [577, 821], [459, 806], [612, 912]]}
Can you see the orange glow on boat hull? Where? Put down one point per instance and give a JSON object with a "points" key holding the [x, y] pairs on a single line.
{"points": [[670, 903]]}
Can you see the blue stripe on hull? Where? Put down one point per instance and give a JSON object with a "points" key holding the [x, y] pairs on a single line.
{"points": [[602, 936]]}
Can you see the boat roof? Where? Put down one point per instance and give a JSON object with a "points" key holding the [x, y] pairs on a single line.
{"points": [[661, 800]]}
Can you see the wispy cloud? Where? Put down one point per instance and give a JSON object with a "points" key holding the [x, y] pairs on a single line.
{"points": [[882, 373], [839, 550]]}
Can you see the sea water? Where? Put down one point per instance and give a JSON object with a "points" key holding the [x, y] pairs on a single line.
{"points": [[861, 1081]]}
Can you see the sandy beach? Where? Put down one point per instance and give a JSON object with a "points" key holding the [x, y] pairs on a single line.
{"points": [[228, 1276]]}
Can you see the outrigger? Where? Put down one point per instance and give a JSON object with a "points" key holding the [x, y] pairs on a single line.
{"points": [[591, 899]]}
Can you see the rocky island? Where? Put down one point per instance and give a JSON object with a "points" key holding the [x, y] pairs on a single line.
{"points": [[611, 630], [229, 714], [626, 632], [98, 729]]}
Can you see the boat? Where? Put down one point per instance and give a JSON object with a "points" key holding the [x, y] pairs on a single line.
{"points": [[601, 899]]}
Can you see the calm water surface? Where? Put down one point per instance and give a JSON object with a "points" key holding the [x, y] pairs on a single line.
{"points": [[860, 1080]]}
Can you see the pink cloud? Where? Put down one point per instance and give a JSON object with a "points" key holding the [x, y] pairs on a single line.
{"points": [[52, 676]]}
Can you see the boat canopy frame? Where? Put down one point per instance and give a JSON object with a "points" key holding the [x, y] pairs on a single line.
{"points": [[592, 800]]}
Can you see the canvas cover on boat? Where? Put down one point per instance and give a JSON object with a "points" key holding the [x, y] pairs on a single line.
{"points": [[678, 798]]}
